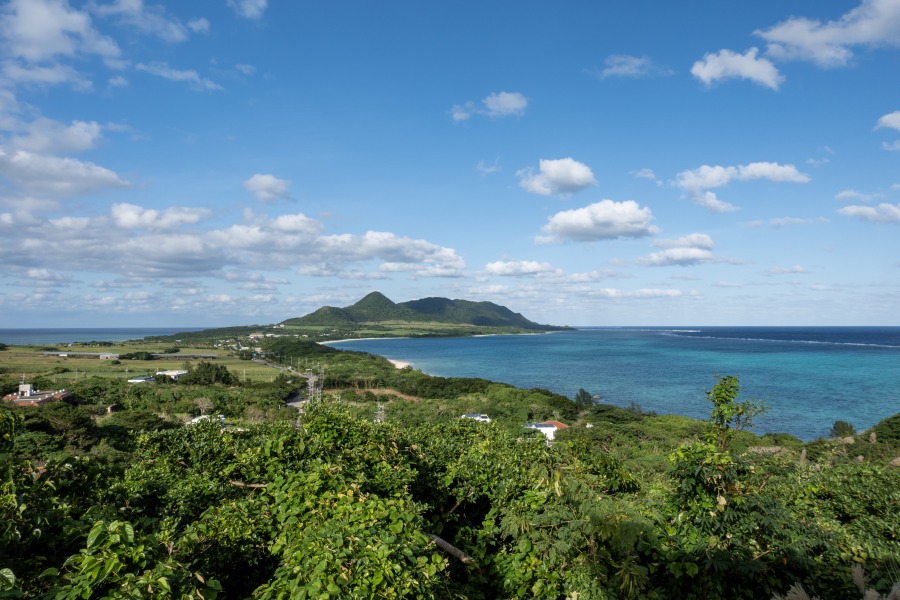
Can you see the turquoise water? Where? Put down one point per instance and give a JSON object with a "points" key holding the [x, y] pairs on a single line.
{"points": [[809, 377]]}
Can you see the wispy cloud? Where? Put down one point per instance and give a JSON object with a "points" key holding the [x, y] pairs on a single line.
{"points": [[624, 65], [496, 105], [190, 76]]}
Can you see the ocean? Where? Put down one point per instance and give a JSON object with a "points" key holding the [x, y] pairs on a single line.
{"points": [[808, 377], [26, 337]]}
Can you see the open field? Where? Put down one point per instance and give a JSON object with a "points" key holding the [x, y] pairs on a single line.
{"points": [[31, 360]]}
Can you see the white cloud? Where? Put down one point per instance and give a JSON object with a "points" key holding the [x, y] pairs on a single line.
{"points": [[883, 213], [161, 69], [41, 30], [563, 176], [48, 175], [779, 222], [41, 75], [677, 256], [462, 112], [245, 69], [117, 81], [624, 65], [891, 146], [46, 276], [518, 267], [645, 174], [794, 270], [604, 220], [643, 293], [401, 253], [267, 187], [130, 216], [829, 44], [249, 9], [52, 137], [486, 169], [151, 20], [499, 104], [687, 250], [856, 196], [697, 182], [199, 25], [693, 240], [726, 64], [505, 104], [890, 120]]}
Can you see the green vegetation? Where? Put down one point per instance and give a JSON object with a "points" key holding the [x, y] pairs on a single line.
{"points": [[328, 503], [377, 316]]}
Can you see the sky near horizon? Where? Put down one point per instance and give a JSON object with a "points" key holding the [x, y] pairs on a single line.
{"points": [[237, 162]]}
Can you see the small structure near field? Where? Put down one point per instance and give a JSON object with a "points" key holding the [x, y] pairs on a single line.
{"points": [[29, 396], [548, 428], [476, 417], [174, 375]]}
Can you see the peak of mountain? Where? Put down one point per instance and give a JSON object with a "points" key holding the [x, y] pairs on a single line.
{"points": [[375, 307]]}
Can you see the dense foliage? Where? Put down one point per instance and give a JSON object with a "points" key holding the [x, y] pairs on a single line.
{"points": [[326, 503]]}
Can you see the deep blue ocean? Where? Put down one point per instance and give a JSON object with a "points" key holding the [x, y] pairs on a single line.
{"points": [[25, 337], [808, 377]]}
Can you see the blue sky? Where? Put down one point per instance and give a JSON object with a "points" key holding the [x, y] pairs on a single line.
{"points": [[619, 163]]}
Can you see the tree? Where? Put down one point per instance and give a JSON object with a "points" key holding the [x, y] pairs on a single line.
{"points": [[842, 429], [204, 405], [583, 399], [728, 415]]}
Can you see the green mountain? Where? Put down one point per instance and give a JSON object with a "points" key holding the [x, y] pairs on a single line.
{"points": [[378, 308]]}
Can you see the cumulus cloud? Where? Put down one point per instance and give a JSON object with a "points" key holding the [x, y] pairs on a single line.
{"points": [[161, 69], [697, 182], [890, 120], [563, 176], [499, 104], [726, 64], [42, 30], [883, 213], [830, 44], [267, 187], [57, 177], [604, 220], [249, 9], [518, 268]]}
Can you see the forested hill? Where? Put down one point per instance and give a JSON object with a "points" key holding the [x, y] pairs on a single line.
{"points": [[377, 308]]}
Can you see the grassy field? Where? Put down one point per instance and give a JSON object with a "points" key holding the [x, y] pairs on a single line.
{"points": [[31, 360]]}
